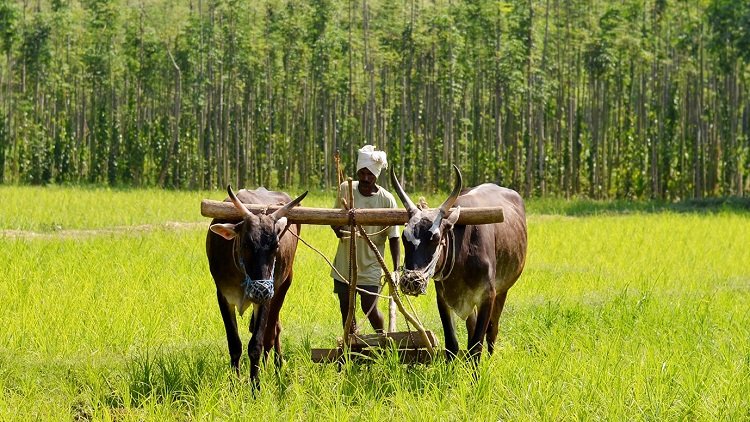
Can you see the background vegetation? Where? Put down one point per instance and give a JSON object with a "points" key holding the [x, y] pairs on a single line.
{"points": [[624, 312], [596, 98]]}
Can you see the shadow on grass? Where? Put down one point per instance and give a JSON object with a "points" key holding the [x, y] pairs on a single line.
{"points": [[588, 207]]}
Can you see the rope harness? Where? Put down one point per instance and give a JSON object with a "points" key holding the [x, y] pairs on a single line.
{"points": [[410, 320], [414, 282]]}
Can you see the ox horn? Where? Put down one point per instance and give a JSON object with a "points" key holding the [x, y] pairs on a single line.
{"points": [[454, 195], [237, 204], [410, 207], [283, 210]]}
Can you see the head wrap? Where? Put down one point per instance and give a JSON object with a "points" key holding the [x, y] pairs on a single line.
{"points": [[373, 160]]}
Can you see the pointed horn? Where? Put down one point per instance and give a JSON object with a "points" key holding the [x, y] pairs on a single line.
{"points": [[283, 210], [408, 204], [454, 195], [237, 204]]}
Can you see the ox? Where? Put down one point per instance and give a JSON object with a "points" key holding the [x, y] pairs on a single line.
{"points": [[251, 262], [473, 265]]}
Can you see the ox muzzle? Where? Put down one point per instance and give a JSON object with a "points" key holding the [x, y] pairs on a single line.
{"points": [[258, 291], [414, 282]]}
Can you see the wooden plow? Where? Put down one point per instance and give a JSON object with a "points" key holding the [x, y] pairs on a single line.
{"points": [[412, 347]]}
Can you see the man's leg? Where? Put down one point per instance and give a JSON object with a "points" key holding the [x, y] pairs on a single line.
{"points": [[370, 308]]}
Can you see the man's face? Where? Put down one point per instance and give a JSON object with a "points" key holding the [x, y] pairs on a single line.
{"points": [[366, 181]]}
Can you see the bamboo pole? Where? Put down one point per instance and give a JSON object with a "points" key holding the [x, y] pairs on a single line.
{"points": [[349, 325], [340, 217], [391, 309]]}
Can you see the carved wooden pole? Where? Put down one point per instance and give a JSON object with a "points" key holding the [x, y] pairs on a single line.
{"points": [[349, 326]]}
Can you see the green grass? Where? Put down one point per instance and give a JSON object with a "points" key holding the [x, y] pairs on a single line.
{"points": [[625, 311]]}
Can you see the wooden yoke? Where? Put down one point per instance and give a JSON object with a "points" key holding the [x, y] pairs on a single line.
{"points": [[340, 217]]}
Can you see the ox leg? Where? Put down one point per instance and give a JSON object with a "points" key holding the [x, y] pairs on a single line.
{"points": [[254, 348], [494, 321], [483, 319], [272, 336], [449, 330], [230, 325]]}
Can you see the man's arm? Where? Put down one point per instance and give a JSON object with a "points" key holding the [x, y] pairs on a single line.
{"points": [[395, 244]]}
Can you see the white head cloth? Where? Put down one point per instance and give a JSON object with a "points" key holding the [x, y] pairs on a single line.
{"points": [[373, 160]]}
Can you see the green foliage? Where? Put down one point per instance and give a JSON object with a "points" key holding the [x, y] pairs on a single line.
{"points": [[627, 99], [8, 23]]}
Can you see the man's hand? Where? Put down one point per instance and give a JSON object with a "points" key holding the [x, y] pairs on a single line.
{"points": [[396, 277], [338, 231]]}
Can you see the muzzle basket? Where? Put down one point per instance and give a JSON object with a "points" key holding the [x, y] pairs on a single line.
{"points": [[413, 283]]}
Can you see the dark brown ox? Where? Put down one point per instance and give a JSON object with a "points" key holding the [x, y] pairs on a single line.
{"points": [[251, 262], [473, 265]]}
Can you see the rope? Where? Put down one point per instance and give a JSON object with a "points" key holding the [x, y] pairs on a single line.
{"points": [[347, 234], [450, 255], [416, 321], [343, 279]]}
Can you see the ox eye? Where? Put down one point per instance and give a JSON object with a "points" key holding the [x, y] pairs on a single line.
{"points": [[435, 237]]}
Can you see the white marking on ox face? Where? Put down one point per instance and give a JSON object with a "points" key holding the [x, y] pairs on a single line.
{"points": [[409, 236], [421, 238], [415, 227]]}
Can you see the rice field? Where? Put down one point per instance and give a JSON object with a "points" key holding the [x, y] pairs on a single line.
{"points": [[624, 312]]}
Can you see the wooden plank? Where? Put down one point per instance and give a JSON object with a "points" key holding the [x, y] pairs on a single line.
{"points": [[402, 339], [339, 217], [337, 355], [326, 355]]}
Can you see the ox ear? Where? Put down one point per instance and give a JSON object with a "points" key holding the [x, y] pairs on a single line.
{"points": [[451, 219], [227, 230]]}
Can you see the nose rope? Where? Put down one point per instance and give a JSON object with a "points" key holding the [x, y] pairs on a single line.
{"points": [[450, 255]]}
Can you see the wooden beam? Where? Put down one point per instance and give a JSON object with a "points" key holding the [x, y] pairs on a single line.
{"points": [[409, 356], [339, 217], [402, 339]]}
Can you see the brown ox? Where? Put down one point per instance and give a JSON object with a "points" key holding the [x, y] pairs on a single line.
{"points": [[473, 265], [251, 262]]}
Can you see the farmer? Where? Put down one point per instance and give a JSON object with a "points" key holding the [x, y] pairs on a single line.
{"points": [[367, 194]]}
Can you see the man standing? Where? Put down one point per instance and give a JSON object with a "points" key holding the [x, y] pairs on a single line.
{"points": [[367, 194]]}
